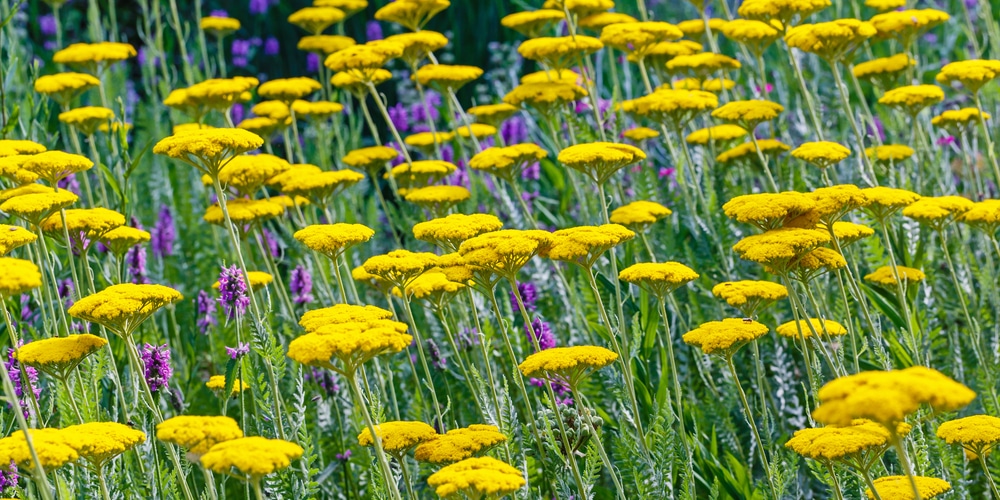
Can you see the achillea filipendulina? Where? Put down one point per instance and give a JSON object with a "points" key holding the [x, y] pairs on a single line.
{"points": [[725, 337], [580, 8], [507, 162], [449, 232], [433, 286], [400, 267], [370, 159], [899, 487], [411, 14], [484, 477], [427, 140], [559, 52], [288, 89], [363, 62], [978, 434], [275, 110], [958, 120], [477, 130], [816, 262], [849, 232], [420, 173], [636, 38], [19, 276], [885, 5], [659, 278], [12, 237], [971, 73], [87, 119], [217, 383], [53, 446], [350, 7], [58, 356], [584, 245], [121, 308], [824, 327], [196, 433], [64, 87], [459, 444], [357, 82], [834, 41], [717, 133], [492, 114], [248, 173], [446, 77], [99, 442], [35, 207], [325, 44], [437, 199], [333, 239], [220, 93], [319, 188], [639, 215], [120, 239], [208, 149], [10, 167], [834, 202], [504, 252], [533, 23], [783, 11], [779, 249], [748, 114], [219, 25], [937, 212], [882, 202], [658, 54], [418, 45], [984, 215], [748, 296], [889, 153], [848, 443], [316, 110], [639, 134], [260, 125], [911, 99], [340, 314], [756, 35], [345, 351], [295, 170], [599, 21], [252, 457], [702, 64], [600, 160], [768, 211], [398, 437], [243, 212], [747, 152], [94, 223], [544, 96], [559, 75], [884, 276], [674, 106], [93, 55], [316, 19], [884, 71], [907, 25], [54, 166], [822, 154]]}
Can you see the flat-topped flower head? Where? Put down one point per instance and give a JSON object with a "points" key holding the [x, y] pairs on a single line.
{"points": [[889, 397], [911, 99], [459, 444], [217, 93], [533, 23], [196, 433], [100, 442], [716, 134], [350, 7], [937, 212], [888, 154], [288, 90], [659, 278], [316, 110], [325, 45], [674, 106], [94, 57], [208, 150], [583, 245], [559, 52], [248, 173], [363, 63], [87, 119], [261, 125], [815, 263], [492, 114], [398, 437], [400, 267], [703, 64], [64, 87], [834, 202], [435, 287], [315, 20], [121, 239], [580, 8], [504, 252], [959, 120], [53, 446], [768, 211], [847, 233], [507, 162], [243, 213], [885, 277], [418, 45], [217, 383], [121, 308], [333, 239], [427, 141], [636, 38], [779, 249], [907, 25], [477, 130], [58, 356], [411, 14], [834, 41], [984, 215], [725, 337], [446, 77], [658, 54], [12, 237], [859, 442], [546, 97], [900, 488], [749, 296], [973, 74], [437, 200], [783, 11], [639, 215], [11, 167], [825, 327], [882, 202], [978, 434], [319, 188], [19, 276], [356, 82], [748, 114], [755, 35], [558, 75], [884, 72], [54, 166], [449, 232], [251, 457], [599, 21], [344, 314], [275, 110], [483, 477], [420, 173], [344, 348], [600, 160], [639, 134], [84, 224], [822, 154], [747, 152], [885, 5], [371, 159], [35, 207], [713, 85]]}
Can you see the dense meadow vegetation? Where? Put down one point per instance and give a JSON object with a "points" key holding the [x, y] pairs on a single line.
{"points": [[492, 249]]}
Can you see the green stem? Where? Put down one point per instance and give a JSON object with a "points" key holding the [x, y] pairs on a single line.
{"points": [[753, 426], [904, 462], [423, 359], [377, 440], [678, 395]]}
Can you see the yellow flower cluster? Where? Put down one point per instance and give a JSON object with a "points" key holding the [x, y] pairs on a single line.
{"points": [[885, 276], [459, 444], [333, 239], [122, 307], [639, 134], [583, 245], [420, 173], [87, 119], [316, 19], [570, 364], [99, 442], [398, 437], [219, 25], [748, 114], [484, 477], [884, 201], [492, 114], [885, 70], [350, 345], [325, 44], [254, 457], [94, 222], [660, 278], [834, 202], [504, 252], [196, 433], [823, 327], [544, 96], [834, 41], [636, 38], [533, 23], [340, 314], [120, 239], [977, 433], [768, 211], [749, 295], [18, 277], [507, 162], [447, 77], [937, 212], [717, 133], [217, 383], [756, 35], [779, 249], [833, 442], [449, 232], [984, 215], [725, 337], [559, 52], [899, 487], [58, 355], [243, 211], [748, 151], [906, 25], [208, 149], [674, 106], [912, 98], [477, 130], [849, 232], [54, 166], [638, 215], [53, 446], [247, 173], [12, 237], [959, 118], [63, 87], [703, 64], [400, 267], [783, 11], [36, 206], [288, 89], [600, 160], [418, 45], [972, 73], [437, 199], [362, 63], [822, 154], [370, 159], [411, 14], [599, 21], [580, 8], [89, 54]]}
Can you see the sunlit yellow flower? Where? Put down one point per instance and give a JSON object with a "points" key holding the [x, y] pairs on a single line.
{"points": [[243, 212], [749, 296], [252, 457], [674, 106], [87, 119], [907, 25], [783, 11], [834, 41], [34, 206], [362, 62], [504, 252], [885, 276], [288, 89], [358, 85], [822, 154], [325, 44], [219, 93], [371, 159], [546, 97], [446, 77], [957, 120], [703, 64], [884, 71], [912, 99], [899, 487], [600, 160], [559, 52], [639, 215], [885, 5], [768, 211], [12, 237], [756, 35], [58, 356], [53, 446], [196, 433], [823, 327], [19, 277], [583, 245], [398, 437], [411, 14], [54, 166], [580, 8], [717, 133], [64, 87], [492, 114], [208, 149], [333, 239], [779, 249], [420, 173], [484, 477], [345, 350], [418, 45], [889, 153], [449, 232], [937, 212], [859, 443], [725, 337], [599, 21], [534, 23], [972, 73], [400, 267], [100, 442], [978, 434], [121, 308], [350, 7], [219, 25], [94, 56], [120, 239], [321, 187], [659, 278], [316, 19], [94, 223], [636, 39], [748, 151], [459, 444], [507, 162], [313, 321], [217, 383]]}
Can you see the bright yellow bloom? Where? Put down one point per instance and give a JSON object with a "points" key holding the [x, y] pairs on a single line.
{"points": [[600, 160], [504, 252], [12, 237], [885, 5], [657, 55], [357, 84], [559, 52], [248, 173], [748, 114], [257, 279], [208, 149], [219, 25], [823, 327], [757, 35], [99, 442], [362, 62], [958, 119], [243, 212], [93, 222], [639, 215], [352, 347], [882, 202], [121, 239], [370, 159], [19, 277], [459, 444], [552, 76], [492, 114], [58, 356], [64, 87], [695, 28], [899, 487], [834, 202], [783, 11], [907, 25], [724, 337], [717, 133], [748, 151], [437, 199], [400, 267], [316, 19], [816, 262], [197, 434], [938, 211], [639, 134], [54, 166], [319, 188], [884, 71], [889, 153], [984, 215], [420, 173], [636, 38], [92, 55], [583, 245], [35, 207], [325, 44], [121, 308], [977, 433], [432, 286], [445, 77], [418, 45], [333, 239], [580, 8], [10, 167], [884, 276], [411, 14], [427, 140], [674, 106], [599, 21], [217, 93], [748, 296], [849, 232], [350, 7], [218, 384], [842, 442], [276, 110], [822, 154], [87, 119], [660, 278], [54, 448], [834, 41], [544, 96], [340, 314], [768, 211], [398, 437], [779, 249], [288, 89], [254, 457], [534, 23], [972, 73], [449, 232], [507, 162], [484, 477], [477, 130], [912, 98], [703, 64]]}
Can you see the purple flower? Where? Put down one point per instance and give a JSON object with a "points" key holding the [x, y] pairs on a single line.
{"points": [[70, 183], [563, 395], [543, 333], [28, 314], [946, 140], [300, 283], [312, 62], [164, 233], [437, 357], [529, 199], [427, 110], [238, 112], [468, 338], [14, 372], [665, 172], [233, 291], [529, 295], [156, 362], [47, 24], [879, 129], [514, 130], [136, 260], [206, 311], [532, 172], [8, 476], [343, 457], [218, 13], [241, 349], [766, 90], [240, 49], [373, 31], [271, 243], [65, 291], [258, 7], [400, 117], [324, 379], [271, 46]]}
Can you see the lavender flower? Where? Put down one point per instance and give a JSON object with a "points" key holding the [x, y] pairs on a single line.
{"points": [[238, 112], [271, 243], [47, 24], [300, 283], [343, 457], [136, 260], [514, 130], [233, 291], [28, 313], [14, 372], [241, 349], [206, 312], [258, 7], [324, 379], [468, 338], [529, 199], [271, 46], [156, 361], [543, 333], [70, 183], [428, 109], [8, 477], [529, 295], [437, 357], [532, 172], [373, 31], [241, 51], [312, 62], [65, 291], [218, 13], [400, 117], [164, 233]]}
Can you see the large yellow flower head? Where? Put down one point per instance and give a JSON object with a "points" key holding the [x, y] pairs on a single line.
{"points": [[343, 348], [19, 276], [484, 477], [599, 21], [433, 286], [822, 154], [637, 38], [446, 77], [418, 45], [122, 308], [545, 97], [658, 54], [747, 152], [244, 213], [748, 114], [288, 89], [58, 356], [316, 19], [900, 488], [886, 277], [780, 249], [716, 134], [768, 211], [884, 71], [357, 82], [262, 126], [639, 134], [816, 262], [398, 437], [120, 239], [84, 224], [559, 52], [12, 237], [477, 130], [99, 442], [53, 446], [580, 8], [937, 212], [756, 35], [449, 232], [248, 173], [219, 26], [834, 41], [370, 159], [320, 188], [533, 23], [507, 162], [341, 314], [847, 233], [325, 44], [54, 166], [64, 87], [600, 160], [639, 215], [350, 7], [783, 11], [252, 457], [36, 206], [583, 245], [411, 14], [363, 63], [972, 73], [749, 296], [824, 327], [958, 121], [984, 215], [882, 202], [459, 444], [208, 150], [196, 433], [674, 106], [857, 443], [420, 173], [888, 154], [660, 278], [504, 252], [94, 56], [702, 64], [400, 267], [333, 239], [87, 119], [427, 141], [834, 202], [889, 397], [219, 93], [978, 434], [911, 99], [725, 337], [10, 167], [13, 147], [492, 114], [907, 25]]}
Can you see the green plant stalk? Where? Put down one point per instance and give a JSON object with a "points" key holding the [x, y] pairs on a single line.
{"points": [[839, 495], [904, 462], [488, 366], [848, 110], [423, 358], [989, 475], [753, 426], [388, 122], [763, 163], [297, 147], [179, 31], [220, 54], [990, 152], [904, 303], [806, 95], [377, 440], [678, 396], [597, 439]]}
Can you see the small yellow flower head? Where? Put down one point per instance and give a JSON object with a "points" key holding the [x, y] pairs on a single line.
{"points": [[320, 188], [459, 444], [639, 215], [196, 433], [907, 25], [834, 202], [658, 54], [779, 249], [357, 82], [534, 23], [17, 147], [544, 96], [599, 21], [639, 134], [885, 5], [660, 278], [54, 166], [248, 173], [217, 383], [823, 327], [885, 277], [253, 457], [420, 173], [636, 38], [552, 76], [432, 286], [350, 7], [889, 397], [937, 212], [580, 8], [54, 448], [822, 154], [187, 127], [504, 252], [341, 314], [768, 211], [99, 442], [748, 114], [87, 119], [362, 63], [426, 141], [36, 206], [756, 35], [10, 167], [882, 202], [12, 237], [19, 277], [889, 153], [899, 487], [351, 345], [370, 159], [492, 114], [972, 73], [445, 77], [958, 120], [717, 133], [400, 267], [983, 215], [559, 52], [977, 434], [243, 212], [208, 149], [849, 232], [911, 99], [884, 71], [94, 55], [449, 232], [411, 14], [398, 437], [288, 89], [258, 280], [219, 26], [437, 199], [325, 44], [58, 355], [278, 111], [333, 239], [600, 160], [783, 11], [218, 93], [121, 308], [569, 364], [454, 267], [477, 130], [583, 245], [316, 19], [748, 296], [725, 337], [64, 87], [674, 106], [695, 28], [418, 45], [834, 41], [484, 477], [703, 64], [507, 162], [747, 152], [841, 442]]}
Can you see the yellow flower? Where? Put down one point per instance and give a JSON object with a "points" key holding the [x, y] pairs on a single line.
{"points": [[822, 154], [459, 444], [984, 215], [99, 442], [834, 202], [843, 443], [702, 64], [600, 160], [483, 477], [418, 45], [258, 280], [889, 153], [977, 433], [352, 347], [325, 44], [768, 211], [432, 286], [445, 77], [958, 119], [295, 170], [912, 98], [411, 14], [398, 437], [748, 114], [427, 140], [580, 8], [882, 202], [19, 276], [362, 63], [639, 134], [907, 25], [276, 110], [783, 11], [92, 55], [58, 356], [884, 276], [64, 87], [748, 151], [899, 487], [247, 173], [319, 188], [599, 21], [559, 52], [779, 249], [400, 267], [370, 159], [219, 25], [885, 5], [492, 114], [196, 433], [552, 76], [288, 89], [477, 130], [756, 35], [695, 28], [533, 23], [639, 215], [208, 149], [121, 308], [823, 327], [834, 41], [12, 237], [849, 232], [243, 212], [93, 222], [938, 211], [316, 19], [35, 207], [724, 337], [350, 7], [437, 199], [449, 232], [748, 296], [972, 73], [717, 133], [660, 278], [570, 364], [816, 262], [675, 106], [884, 71], [254, 457], [636, 38], [10, 167], [889, 397], [504, 252], [219, 93], [333, 239], [358, 85], [54, 166], [544, 96], [341, 314], [420, 173], [583, 245], [507, 162], [218, 384], [87, 119], [53, 446]]}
